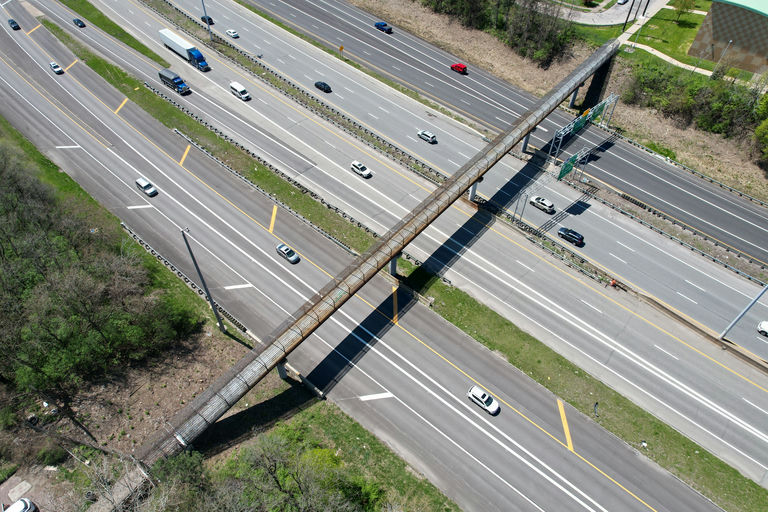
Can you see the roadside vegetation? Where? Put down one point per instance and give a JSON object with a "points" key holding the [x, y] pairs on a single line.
{"points": [[530, 27]]}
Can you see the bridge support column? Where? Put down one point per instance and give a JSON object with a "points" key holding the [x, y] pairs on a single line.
{"points": [[281, 371], [473, 190], [393, 265], [525, 141], [572, 101]]}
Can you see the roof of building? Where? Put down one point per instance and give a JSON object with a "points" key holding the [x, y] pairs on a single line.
{"points": [[758, 6]]}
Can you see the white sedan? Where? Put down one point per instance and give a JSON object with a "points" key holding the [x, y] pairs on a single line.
{"points": [[233, 33]]}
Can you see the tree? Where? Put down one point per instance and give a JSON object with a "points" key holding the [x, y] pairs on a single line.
{"points": [[683, 7]]}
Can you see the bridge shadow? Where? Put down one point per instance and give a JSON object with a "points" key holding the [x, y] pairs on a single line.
{"points": [[348, 352], [243, 425]]}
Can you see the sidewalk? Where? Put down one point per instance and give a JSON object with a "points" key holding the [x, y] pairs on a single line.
{"points": [[617, 13]]}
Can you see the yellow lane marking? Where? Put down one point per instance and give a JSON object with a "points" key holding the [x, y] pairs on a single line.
{"points": [[121, 105], [565, 425], [394, 305], [73, 63], [410, 334], [32, 30], [184, 156], [48, 100], [272, 221]]}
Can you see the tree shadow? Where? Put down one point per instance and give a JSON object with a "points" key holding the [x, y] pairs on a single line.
{"points": [[238, 427]]}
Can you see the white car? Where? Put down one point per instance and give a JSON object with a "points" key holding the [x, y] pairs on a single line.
{"points": [[484, 400], [145, 186], [361, 169], [288, 253], [22, 505], [56, 68], [428, 136], [762, 327], [542, 204], [233, 33]]}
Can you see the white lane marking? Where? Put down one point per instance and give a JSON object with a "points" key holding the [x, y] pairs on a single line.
{"points": [[373, 116], [395, 67], [367, 53], [262, 100], [339, 96], [621, 260], [305, 75], [291, 14], [464, 101], [462, 154], [429, 84], [334, 147], [384, 110], [348, 89], [670, 355], [756, 407], [500, 119], [314, 26], [539, 127], [454, 163], [140, 206], [377, 396], [238, 286], [690, 299], [64, 147], [524, 265], [590, 305], [316, 71], [281, 61], [291, 56], [696, 286], [625, 246]]}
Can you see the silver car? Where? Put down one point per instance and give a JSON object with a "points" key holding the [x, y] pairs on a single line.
{"points": [[484, 400], [427, 136], [145, 186], [542, 204], [762, 327], [288, 253], [56, 68]]}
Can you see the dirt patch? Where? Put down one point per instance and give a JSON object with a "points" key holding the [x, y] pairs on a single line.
{"points": [[726, 160]]}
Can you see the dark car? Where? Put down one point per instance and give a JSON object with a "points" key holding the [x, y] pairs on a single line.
{"points": [[382, 25], [78, 22], [323, 86], [207, 20], [570, 235], [13, 24]]}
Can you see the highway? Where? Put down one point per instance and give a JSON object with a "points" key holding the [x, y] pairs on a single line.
{"points": [[631, 257], [491, 102], [724, 418], [400, 379], [193, 205]]}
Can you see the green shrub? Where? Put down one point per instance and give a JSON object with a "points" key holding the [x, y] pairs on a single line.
{"points": [[51, 454], [7, 417]]}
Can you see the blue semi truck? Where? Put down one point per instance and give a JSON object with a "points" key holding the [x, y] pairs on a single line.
{"points": [[184, 48]]}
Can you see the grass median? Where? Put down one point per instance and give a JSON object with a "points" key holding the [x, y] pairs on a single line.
{"points": [[671, 450]]}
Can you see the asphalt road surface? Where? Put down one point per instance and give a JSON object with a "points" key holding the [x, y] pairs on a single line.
{"points": [[523, 287]]}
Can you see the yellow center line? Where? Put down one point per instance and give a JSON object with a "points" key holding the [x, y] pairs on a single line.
{"points": [[394, 305], [32, 30], [272, 221], [184, 156], [565, 425], [121, 105]]}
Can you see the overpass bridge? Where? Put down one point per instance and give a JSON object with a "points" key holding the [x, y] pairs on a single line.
{"points": [[213, 403]]}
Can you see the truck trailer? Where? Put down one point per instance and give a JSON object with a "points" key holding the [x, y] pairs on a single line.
{"points": [[184, 48], [173, 81]]}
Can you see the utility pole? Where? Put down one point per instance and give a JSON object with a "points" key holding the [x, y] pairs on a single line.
{"points": [[628, 13], [205, 15]]}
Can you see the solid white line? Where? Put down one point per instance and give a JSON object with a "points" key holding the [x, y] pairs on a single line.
{"points": [[683, 296], [377, 396], [625, 246], [695, 286], [238, 286], [524, 265], [590, 305], [621, 260], [670, 355], [65, 147], [139, 206], [756, 407]]}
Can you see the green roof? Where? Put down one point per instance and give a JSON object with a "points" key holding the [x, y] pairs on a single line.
{"points": [[758, 6]]}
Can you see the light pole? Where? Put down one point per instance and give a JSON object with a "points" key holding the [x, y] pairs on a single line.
{"points": [[205, 15]]}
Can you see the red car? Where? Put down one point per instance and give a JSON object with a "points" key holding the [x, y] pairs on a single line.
{"points": [[459, 68]]}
